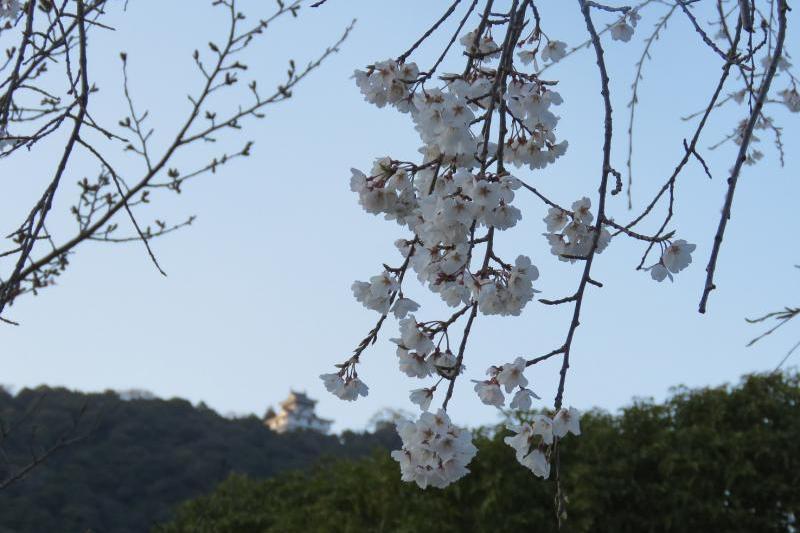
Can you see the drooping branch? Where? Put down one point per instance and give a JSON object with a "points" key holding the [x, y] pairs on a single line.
{"points": [[741, 157]]}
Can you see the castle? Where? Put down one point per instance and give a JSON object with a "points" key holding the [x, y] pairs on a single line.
{"points": [[297, 412]]}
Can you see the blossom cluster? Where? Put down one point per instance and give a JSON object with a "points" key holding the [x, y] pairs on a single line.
{"points": [[435, 452], [674, 258], [444, 201], [443, 212], [532, 440], [480, 45], [453, 203], [622, 29], [376, 294], [443, 117], [571, 235], [529, 104], [510, 376], [347, 387], [553, 51], [791, 98], [417, 356], [386, 82]]}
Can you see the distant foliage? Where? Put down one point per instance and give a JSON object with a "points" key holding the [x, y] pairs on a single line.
{"points": [[720, 459], [144, 457]]}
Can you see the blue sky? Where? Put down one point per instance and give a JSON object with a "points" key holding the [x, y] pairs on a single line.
{"points": [[258, 298]]}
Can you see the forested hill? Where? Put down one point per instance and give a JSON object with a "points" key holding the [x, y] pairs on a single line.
{"points": [[141, 457], [722, 459]]}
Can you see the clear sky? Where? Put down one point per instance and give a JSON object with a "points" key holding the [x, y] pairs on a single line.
{"points": [[258, 297]]}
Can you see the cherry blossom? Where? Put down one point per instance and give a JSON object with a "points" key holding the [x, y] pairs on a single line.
{"points": [[556, 219], [353, 388], [483, 130], [375, 294], [674, 258], [537, 462], [387, 82], [413, 364], [577, 236], [566, 421], [527, 56], [622, 30], [542, 426], [422, 398], [523, 399], [659, 272], [403, 306], [489, 392], [791, 99], [581, 211], [333, 383], [412, 337], [554, 51], [527, 450], [485, 44], [511, 375], [530, 440], [434, 452], [347, 388]]}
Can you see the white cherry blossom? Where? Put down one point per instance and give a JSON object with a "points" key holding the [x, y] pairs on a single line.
{"points": [[542, 426], [334, 383], [512, 375], [422, 398], [621, 31], [412, 337], [791, 99], [489, 393], [376, 294], [523, 399], [526, 56], [556, 219], [659, 272], [677, 255], [554, 51], [567, 421], [349, 388], [403, 306], [521, 441], [413, 364], [434, 452], [537, 462], [387, 82], [485, 46], [581, 210]]}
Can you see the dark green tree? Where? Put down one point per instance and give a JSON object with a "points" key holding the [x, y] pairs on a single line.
{"points": [[140, 458], [714, 459]]}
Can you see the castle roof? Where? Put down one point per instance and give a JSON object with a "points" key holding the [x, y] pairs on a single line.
{"points": [[297, 412], [299, 399]]}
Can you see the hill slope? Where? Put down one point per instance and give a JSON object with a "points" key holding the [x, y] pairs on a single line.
{"points": [[141, 458]]}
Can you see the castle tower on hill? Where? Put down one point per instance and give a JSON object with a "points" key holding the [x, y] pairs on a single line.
{"points": [[297, 412]]}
